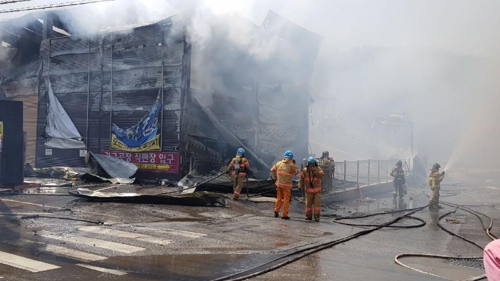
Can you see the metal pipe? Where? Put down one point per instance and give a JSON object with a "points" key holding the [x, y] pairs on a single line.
{"points": [[357, 173], [387, 174], [369, 172], [48, 60], [162, 88], [12, 1], [50, 6], [111, 99], [378, 171], [88, 99], [345, 170], [101, 49]]}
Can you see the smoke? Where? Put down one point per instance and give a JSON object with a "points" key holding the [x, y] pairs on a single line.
{"points": [[432, 63]]}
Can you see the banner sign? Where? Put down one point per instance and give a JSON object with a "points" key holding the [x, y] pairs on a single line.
{"points": [[144, 136], [1, 136], [168, 162]]}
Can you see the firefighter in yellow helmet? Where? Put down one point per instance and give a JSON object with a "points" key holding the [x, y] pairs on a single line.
{"points": [[238, 167], [283, 172], [435, 179], [311, 178]]}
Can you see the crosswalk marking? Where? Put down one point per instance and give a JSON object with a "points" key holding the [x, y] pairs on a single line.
{"points": [[184, 233], [118, 247], [25, 263], [124, 234], [67, 252], [102, 269], [79, 255]]}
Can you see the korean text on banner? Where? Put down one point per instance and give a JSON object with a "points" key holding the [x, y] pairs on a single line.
{"points": [[168, 162]]}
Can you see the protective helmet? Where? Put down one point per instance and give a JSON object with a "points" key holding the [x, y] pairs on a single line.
{"points": [[240, 151], [289, 154], [399, 163], [311, 160], [325, 154], [436, 166]]}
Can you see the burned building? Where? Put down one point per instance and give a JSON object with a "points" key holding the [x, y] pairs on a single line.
{"points": [[135, 93]]}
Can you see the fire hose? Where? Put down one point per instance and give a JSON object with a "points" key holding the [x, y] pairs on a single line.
{"points": [[296, 255]]}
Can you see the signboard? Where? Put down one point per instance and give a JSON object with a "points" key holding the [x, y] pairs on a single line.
{"points": [[168, 162], [1, 136]]}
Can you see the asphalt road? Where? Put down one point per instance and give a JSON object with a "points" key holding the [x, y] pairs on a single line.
{"points": [[167, 242]]}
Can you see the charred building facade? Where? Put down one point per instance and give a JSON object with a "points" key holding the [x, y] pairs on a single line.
{"points": [[140, 94]]}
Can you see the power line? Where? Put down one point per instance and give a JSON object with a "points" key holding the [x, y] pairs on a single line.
{"points": [[12, 1], [51, 6]]}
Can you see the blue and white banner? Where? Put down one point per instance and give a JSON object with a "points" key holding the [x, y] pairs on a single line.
{"points": [[144, 136]]}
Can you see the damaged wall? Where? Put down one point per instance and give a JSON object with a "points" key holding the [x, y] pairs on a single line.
{"points": [[113, 78]]}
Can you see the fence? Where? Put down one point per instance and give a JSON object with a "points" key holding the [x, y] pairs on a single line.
{"points": [[361, 172]]}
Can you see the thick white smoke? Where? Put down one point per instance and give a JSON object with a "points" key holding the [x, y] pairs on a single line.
{"points": [[433, 63]]}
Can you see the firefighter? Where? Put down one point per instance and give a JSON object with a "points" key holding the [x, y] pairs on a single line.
{"points": [[399, 180], [435, 179], [325, 158], [283, 172], [238, 167], [310, 178]]}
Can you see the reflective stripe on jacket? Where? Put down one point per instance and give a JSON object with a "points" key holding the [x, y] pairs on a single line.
{"points": [[435, 179], [244, 165], [283, 173], [309, 177]]}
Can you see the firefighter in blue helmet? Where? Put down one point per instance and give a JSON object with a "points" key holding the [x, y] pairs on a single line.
{"points": [[283, 173], [310, 179], [239, 168]]}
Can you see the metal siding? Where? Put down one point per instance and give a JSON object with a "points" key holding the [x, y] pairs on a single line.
{"points": [[137, 68]]}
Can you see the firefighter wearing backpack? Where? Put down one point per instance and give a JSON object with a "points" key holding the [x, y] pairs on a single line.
{"points": [[238, 167], [283, 172], [310, 179], [435, 179], [399, 180]]}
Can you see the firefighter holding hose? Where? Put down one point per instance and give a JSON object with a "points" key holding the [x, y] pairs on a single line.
{"points": [[310, 179], [238, 167], [435, 179], [399, 179]]}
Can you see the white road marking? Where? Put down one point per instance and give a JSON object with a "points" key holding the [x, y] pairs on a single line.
{"points": [[118, 247], [184, 233], [125, 234], [29, 203], [67, 252], [25, 263], [101, 269], [79, 255]]}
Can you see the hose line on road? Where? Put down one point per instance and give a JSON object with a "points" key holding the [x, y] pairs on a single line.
{"points": [[298, 254], [398, 257]]}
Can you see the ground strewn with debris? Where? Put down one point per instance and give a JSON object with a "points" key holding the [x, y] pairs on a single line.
{"points": [[47, 237]]}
